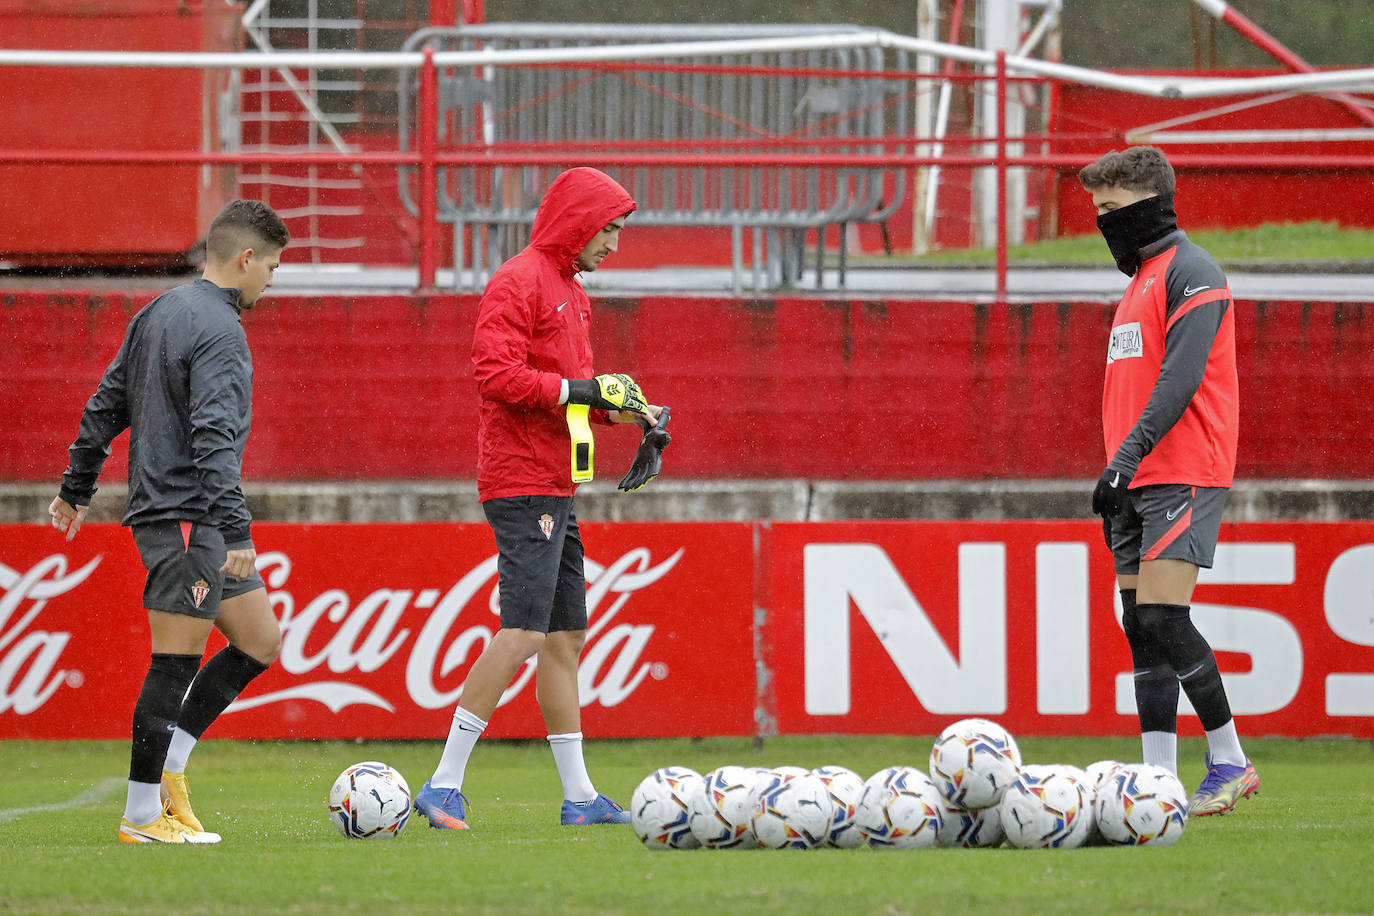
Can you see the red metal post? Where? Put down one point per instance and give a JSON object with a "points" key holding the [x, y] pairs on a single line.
{"points": [[1001, 159], [1279, 51], [443, 12], [429, 172]]}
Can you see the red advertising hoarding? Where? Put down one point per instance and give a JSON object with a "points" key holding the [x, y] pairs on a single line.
{"points": [[901, 627], [380, 624], [730, 628]]}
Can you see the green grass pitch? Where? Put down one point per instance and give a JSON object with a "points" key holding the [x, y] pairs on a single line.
{"points": [[1304, 845]]}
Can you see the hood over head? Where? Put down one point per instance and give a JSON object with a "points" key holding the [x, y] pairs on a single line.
{"points": [[578, 204]]}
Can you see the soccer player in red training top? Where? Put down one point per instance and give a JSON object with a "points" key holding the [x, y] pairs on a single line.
{"points": [[533, 359], [182, 384], [1170, 413]]}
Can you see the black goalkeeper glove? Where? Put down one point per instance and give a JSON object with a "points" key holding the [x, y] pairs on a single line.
{"points": [[1109, 496], [607, 392], [649, 458]]}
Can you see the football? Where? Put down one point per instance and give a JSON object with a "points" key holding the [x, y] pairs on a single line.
{"points": [[765, 778], [845, 786], [900, 808], [369, 801], [981, 829], [1084, 826], [1045, 807], [972, 762], [1099, 770], [790, 812], [719, 815], [1140, 804], [661, 805]]}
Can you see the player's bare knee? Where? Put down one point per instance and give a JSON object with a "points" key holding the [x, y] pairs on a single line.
{"points": [[269, 651], [521, 643]]}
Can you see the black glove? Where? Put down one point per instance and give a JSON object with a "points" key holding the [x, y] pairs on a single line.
{"points": [[649, 458], [607, 392], [1109, 496]]}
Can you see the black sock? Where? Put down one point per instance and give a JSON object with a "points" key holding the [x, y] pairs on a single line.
{"points": [[1192, 659], [218, 683], [1156, 685], [155, 713]]}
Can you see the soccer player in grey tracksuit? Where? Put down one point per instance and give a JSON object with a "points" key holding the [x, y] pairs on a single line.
{"points": [[182, 384]]}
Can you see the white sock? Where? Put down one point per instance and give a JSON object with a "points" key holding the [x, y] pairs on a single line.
{"points": [[179, 751], [1224, 745], [572, 769], [144, 802], [462, 738], [1161, 749]]}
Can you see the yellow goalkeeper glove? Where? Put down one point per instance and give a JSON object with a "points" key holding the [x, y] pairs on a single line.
{"points": [[607, 392]]}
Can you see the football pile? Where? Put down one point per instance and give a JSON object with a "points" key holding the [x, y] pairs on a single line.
{"points": [[976, 792]]}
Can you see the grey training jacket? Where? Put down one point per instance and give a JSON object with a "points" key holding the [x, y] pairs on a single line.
{"points": [[182, 383]]}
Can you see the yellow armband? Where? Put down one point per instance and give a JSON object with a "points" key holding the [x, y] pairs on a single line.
{"points": [[580, 431]]}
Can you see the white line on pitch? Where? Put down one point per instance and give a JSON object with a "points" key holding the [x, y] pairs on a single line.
{"points": [[95, 793]]}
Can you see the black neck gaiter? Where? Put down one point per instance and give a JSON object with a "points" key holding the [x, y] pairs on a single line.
{"points": [[1129, 229]]}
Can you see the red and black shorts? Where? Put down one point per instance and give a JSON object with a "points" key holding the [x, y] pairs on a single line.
{"points": [[183, 562], [1167, 521], [542, 583]]}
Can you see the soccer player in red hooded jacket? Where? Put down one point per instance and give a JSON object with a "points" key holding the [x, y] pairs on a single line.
{"points": [[539, 396], [1170, 414]]}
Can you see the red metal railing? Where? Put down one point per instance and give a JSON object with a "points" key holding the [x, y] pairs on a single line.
{"points": [[896, 152]]}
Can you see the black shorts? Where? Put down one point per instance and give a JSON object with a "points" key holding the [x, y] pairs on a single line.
{"points": [[1167, 521], [183, 561], [539, 563]]}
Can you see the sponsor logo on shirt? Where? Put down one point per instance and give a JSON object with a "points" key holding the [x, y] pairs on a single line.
{"points": [[1126, 342]]}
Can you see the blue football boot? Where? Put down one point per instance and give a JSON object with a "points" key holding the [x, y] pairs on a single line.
{"points": [[446, 809], [600, 810]]}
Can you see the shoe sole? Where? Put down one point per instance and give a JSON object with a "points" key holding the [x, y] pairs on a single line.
{"points": [[127, 837], [442, 820]]}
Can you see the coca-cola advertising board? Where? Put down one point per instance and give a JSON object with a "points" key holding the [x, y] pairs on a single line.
{"points": [[380, 624], [729, 628]]}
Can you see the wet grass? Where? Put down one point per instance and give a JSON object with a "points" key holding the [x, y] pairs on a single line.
{"points": [[1300, 847]]}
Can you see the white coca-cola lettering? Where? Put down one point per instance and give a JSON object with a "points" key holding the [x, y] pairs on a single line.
{"points": [[625, 576], [28, 661], [369, 635]]}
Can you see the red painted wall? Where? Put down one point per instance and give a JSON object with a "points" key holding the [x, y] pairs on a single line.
{"points": [[381, 387], [110, 214], [1224, 197]]}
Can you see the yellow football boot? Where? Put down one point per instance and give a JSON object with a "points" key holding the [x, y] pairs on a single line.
{"points": [[176, 797], [164, 829]]}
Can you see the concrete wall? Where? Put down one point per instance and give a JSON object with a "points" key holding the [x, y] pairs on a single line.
{"points": [[731, 500]]}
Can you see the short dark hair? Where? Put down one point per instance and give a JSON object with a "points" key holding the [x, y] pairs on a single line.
{"points": [[244, 224], [1140, 168]]}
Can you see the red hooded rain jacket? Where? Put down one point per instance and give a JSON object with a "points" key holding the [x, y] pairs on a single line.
{"points": [[533, 331]]}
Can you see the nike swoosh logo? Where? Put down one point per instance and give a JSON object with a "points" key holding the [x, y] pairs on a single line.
{"points": [[1117, 479], [1194, 290], [560, 308], [462, 727], [1174, 514]]}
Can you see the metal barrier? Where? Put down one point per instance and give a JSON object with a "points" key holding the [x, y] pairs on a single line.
{"points": [[831, 101]]}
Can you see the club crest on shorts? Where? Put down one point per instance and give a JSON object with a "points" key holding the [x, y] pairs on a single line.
{"points": [[199, 591], [546, 525]]}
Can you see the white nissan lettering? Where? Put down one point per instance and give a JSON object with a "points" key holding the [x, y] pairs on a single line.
{"points": [[836, 574]]}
